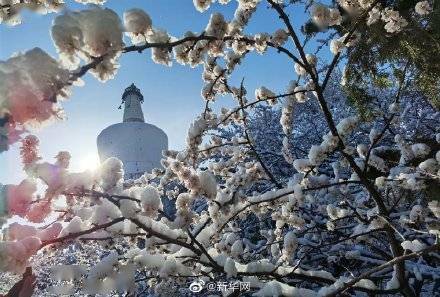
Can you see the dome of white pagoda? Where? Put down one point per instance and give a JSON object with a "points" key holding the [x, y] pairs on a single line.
{"points": [[137, 144]]}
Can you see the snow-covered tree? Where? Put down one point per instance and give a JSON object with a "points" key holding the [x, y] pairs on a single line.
{"points": [[355, 209]]}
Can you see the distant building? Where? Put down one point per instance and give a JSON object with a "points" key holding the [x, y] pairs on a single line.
{"points": [[137, 144]]}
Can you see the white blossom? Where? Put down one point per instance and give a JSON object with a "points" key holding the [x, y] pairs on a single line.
{"points": [[311, 59], [217, 26], [347, 125], [374, 16], [74, 226], [394, 21], [300, 70], [300, 94], [264, 93], [286, 119], [261, 42], [202, 5], [111, 173], [321, 15], [208, 184], [89, 34], [279, 37], [302, 165], [423, 8], [158, 54], [38, 83], [138, 24], [129, 208], [336, 46]]}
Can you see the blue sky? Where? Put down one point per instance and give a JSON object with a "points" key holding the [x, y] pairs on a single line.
{"points": [[172, 94]]}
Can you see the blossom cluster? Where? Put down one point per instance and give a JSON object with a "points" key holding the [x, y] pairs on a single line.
{"points": [[31, 83], [87, 35], [10, 9]]}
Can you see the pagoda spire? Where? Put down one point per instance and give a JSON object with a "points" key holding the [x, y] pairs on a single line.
{"points": [[132, 99]]}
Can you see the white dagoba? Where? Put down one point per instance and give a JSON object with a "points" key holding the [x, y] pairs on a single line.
{"points": [[137, 144]]}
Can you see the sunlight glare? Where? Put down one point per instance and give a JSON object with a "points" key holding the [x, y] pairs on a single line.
{"points": [[89, 162]]}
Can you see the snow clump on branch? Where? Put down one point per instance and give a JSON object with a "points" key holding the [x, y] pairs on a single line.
{"points": [[149, 198]]}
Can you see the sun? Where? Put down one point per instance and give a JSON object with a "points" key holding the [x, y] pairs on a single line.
{"points": [[89, 162]]}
